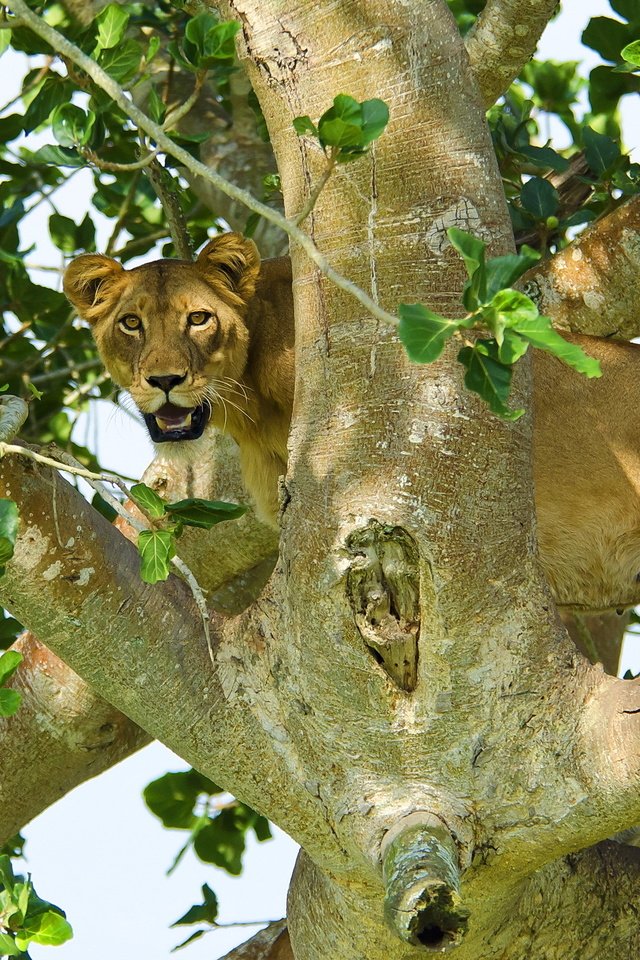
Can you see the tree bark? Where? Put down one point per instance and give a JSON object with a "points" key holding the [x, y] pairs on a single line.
{"points": [[62, 735], [590, 286], [501, 41]]}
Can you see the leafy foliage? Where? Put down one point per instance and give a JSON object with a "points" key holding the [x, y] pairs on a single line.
{"points": [[24, 917], [348, 128], [156, 547], [509, 315], [217, 826], [9, 699], [8, 531]]}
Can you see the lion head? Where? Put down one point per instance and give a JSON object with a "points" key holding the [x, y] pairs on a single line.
{"points": [[171, 332]]}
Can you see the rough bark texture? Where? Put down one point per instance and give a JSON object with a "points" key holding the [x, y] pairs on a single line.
{"points": [[62, 735], [503, 38], [591, 286], [406, 497]]}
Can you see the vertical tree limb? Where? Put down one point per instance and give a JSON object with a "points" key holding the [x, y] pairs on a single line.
{"points": [[503, 38]]}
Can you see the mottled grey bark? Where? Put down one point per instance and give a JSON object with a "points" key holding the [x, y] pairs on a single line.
{"points": [[591, 286], [501, 41]]}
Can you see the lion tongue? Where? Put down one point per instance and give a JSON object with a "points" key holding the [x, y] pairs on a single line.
{"points": [[174, 423]]}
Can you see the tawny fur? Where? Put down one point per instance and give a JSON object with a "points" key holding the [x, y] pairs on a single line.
{"points": [[586, 443], [243, 363]]}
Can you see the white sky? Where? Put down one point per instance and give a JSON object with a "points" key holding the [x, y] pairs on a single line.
{"points": [[98, 852]]}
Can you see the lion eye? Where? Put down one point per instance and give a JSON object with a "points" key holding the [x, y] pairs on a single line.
{"points": [[199, 318], [130, 322]]}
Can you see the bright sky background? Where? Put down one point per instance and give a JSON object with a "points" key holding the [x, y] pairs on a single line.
{"points": [[98, 852]]}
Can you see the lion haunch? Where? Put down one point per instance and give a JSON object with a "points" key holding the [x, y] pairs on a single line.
{"points": [[211, 343], [200, 344]]}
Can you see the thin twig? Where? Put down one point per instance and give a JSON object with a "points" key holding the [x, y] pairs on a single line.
{"points": [[319, 186], [174, 116], [111, 167], [173, 211], [117, 94]]}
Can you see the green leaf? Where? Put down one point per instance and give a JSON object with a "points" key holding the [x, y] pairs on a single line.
{"points": [[504, 271], [63, 232], [58, 156], [185, 943], [148, 499], [156, 547], [540, 198], [607, 36], [350, 125], [424, 333], [9, 703], [71, 126], [303, 125], [262, 829], [539, 332], [205, 912], [375, 117], [123, 61], [512, 348], [8, 530], [173, 797], [9, 663], [49, 929], [8, 946], [156, 108], [198, 28], [152, 49], [471, 249], [341, 125], [52, 94], [112, 23], [487, 376], [195, 512], [601, 151], [631, 53]]}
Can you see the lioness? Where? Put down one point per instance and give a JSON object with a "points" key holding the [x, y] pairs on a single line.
{"points": [[199, 343], [212, 342]]}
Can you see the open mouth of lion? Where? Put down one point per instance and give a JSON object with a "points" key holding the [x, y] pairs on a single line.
{"points": [[171, 423]]}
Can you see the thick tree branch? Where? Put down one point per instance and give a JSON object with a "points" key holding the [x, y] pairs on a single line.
{"points": [[62, 735], [272, 943], [83, 734], [72, 574], [592, 285], [503, 38]]}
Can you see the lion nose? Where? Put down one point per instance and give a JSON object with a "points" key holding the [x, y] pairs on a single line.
{"points": [[167, 383]]}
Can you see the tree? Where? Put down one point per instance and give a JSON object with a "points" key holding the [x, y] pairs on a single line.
{"points": [[487, 787]]}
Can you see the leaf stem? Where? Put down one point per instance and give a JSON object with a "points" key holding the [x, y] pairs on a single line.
{"points": [[319, 186]]}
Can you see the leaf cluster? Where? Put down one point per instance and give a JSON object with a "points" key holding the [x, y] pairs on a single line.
{"points": [[217, 826], [24, 917], [492, 304], [348, 128], [157, 546]]}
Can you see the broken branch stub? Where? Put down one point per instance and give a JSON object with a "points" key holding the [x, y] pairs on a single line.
{"points": [[422, 903], [384, 592]]}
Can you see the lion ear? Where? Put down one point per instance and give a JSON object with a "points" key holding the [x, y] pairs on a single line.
{"points": [[85, 280], [233, 260]]}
